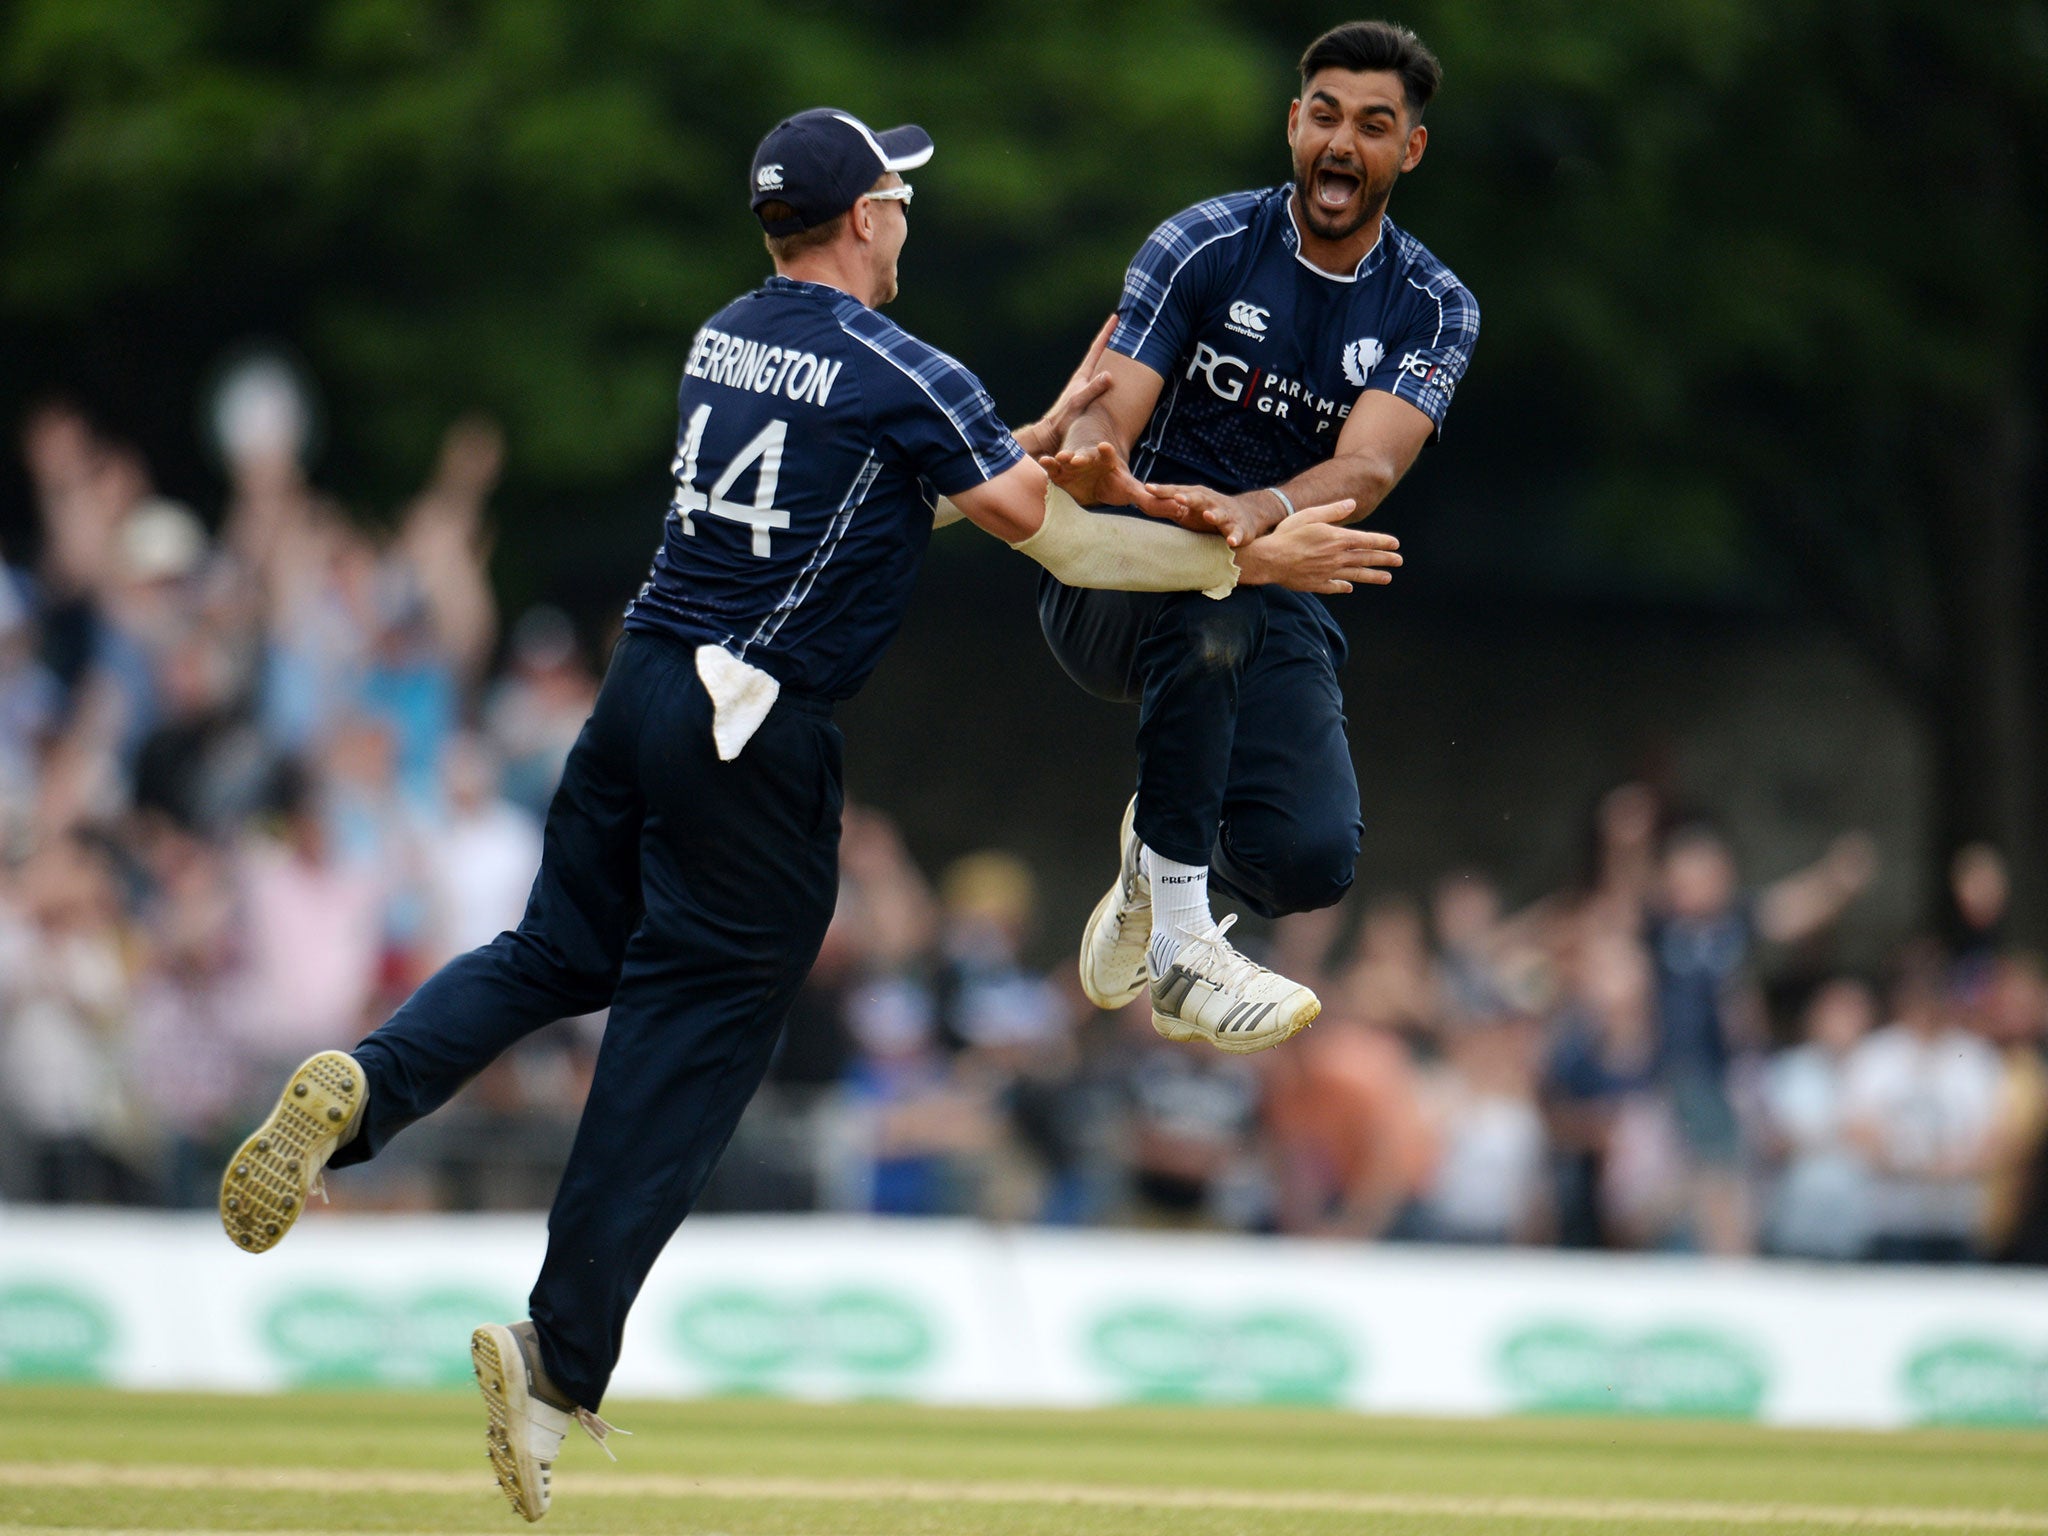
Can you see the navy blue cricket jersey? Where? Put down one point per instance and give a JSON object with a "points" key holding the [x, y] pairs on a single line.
{"points": [[1264, 354], [814, 437]]}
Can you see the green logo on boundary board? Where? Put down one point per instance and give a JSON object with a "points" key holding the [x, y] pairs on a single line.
{"points": [[1977, 1380], [328, 1336], [744, 1336], [1163, 1354], [1566, 1367], [50, 1332]]}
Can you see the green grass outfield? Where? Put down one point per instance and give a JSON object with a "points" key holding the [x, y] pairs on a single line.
{"points": [[91, 1460]]}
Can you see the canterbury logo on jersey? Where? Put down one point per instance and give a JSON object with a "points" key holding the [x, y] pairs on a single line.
{"points": [[1247, 319], [741, 364]]}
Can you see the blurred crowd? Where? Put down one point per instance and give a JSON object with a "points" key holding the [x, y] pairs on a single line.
{"points": [[1604, 1067], [261, 773], [255, 783]]}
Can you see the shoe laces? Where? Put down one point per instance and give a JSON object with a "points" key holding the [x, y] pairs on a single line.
{"points": [[1224, 965], [599, 1431], [1127, 909], [317, 1185], [1126, 916]]}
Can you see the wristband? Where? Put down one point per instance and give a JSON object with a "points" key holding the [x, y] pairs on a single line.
{"points": [[1281, 496]]}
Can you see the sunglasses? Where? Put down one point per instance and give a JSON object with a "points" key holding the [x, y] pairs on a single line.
{"points": [[891, 195]]}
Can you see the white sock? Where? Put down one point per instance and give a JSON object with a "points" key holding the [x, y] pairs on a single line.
{"points": [[1180, 906]]}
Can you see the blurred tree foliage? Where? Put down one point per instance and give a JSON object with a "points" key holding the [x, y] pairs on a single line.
{"points": [[1775, 279], [1763, 279], [528, 205]]}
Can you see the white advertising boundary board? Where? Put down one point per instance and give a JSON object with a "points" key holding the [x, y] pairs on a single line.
{"points": [[953, 1312]]}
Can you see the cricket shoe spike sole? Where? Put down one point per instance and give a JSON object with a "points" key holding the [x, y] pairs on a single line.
{"points": [[522, 1435], [523, 1432], [1213, 993], [1113, 944], [267, 1182]]}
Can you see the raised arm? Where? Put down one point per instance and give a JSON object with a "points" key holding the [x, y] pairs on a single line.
{"points": [[1800, 904]]}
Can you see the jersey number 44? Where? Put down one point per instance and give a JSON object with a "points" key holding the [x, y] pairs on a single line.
{"points": [[761, 514]]}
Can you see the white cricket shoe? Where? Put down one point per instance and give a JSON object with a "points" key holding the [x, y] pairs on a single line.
{"points": [[523, 1432], [1113, 944], [1213, 993], [268, 1180]]}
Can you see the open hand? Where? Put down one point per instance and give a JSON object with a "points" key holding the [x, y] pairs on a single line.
{"points": [[1099, 477], [1312, 552], [1240, 519]]}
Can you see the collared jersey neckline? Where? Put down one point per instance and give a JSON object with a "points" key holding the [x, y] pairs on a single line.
{"points": [[1367, 264]]}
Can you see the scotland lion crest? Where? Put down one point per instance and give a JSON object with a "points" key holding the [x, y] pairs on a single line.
{"points": [[1360, 358]]}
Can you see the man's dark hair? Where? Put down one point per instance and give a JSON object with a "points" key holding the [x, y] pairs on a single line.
{"points": [[1370, 46]]}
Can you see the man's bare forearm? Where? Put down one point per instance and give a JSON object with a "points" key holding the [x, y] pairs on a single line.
{"points": [[1360, 477], [1096, 425], [1365, 478]]}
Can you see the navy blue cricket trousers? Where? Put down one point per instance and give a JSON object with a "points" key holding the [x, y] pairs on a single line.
{"points": [[691, 896], [1243, 761]]}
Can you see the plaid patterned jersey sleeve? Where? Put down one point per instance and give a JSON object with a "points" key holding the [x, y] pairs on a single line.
{"points": [[1175, 275], [927, 409], [1425, 361]]}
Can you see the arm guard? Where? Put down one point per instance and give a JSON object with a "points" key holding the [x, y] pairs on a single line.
{"points": [[1127, 554]]}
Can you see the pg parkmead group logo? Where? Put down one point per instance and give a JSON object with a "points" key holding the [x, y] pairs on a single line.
{"points": [[1694, 1372], [51, 1332], [1360, 358], [1153, 1353], [1977, 1380], [329, 1336], [747, 1336]]}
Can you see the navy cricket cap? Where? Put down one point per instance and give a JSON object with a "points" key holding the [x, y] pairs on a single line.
{"points": [[821, 161]]}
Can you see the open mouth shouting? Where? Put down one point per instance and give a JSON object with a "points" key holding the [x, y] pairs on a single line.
{"points": [[1335, 190], [1336, 200]]}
